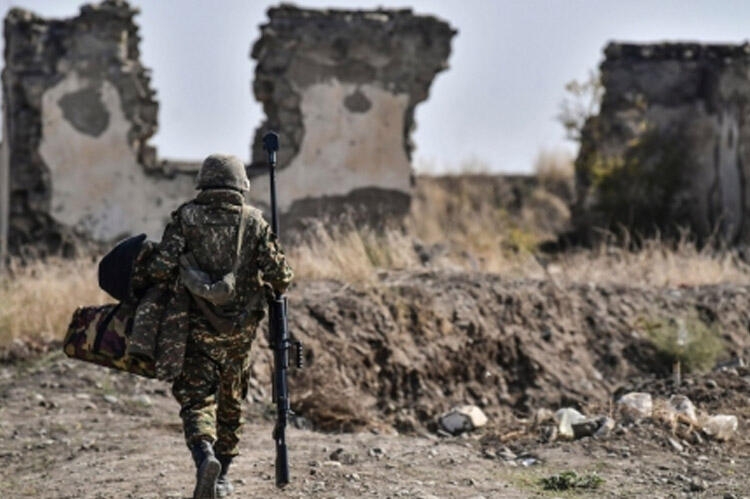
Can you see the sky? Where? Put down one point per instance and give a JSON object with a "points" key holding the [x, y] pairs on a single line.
{"points": [[496, 105]]}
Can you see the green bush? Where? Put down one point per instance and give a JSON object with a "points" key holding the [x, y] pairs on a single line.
{"points": [[571, 480], [689, 340]]}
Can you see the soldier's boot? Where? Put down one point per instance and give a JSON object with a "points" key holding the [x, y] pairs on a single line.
{"points": [[224, 486], [207, 470]]}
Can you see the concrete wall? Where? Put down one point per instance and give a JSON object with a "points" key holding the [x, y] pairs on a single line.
{"points": [[671, 145], [79, 112], [341, 88]]}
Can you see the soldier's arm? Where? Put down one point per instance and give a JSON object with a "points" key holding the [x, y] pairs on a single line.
{"points": [[271, 261], [165, 262]]}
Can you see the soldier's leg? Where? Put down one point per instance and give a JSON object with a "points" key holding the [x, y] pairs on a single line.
{"points": [[232, 390], [195, 390]]}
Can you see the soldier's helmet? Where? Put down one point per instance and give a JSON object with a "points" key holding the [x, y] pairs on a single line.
{"points": [[223, 171]]}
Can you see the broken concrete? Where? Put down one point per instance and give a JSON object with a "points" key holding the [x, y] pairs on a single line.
{"points": [[341, 88], [669, 147], [79, 112]]}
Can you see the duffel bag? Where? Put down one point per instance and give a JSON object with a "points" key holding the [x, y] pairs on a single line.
{"points": [[99, 334]]}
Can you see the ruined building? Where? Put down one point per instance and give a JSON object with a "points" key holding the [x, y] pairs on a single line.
{"points": [[341, 87], [78, 113], [670, 147]]}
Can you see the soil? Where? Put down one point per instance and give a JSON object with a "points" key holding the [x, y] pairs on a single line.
{"points": [[384, 362]]}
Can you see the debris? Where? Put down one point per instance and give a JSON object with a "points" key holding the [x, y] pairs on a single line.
{"points": [[675, 444], [684, 408], [566, 418], [462, 419], [542, 416], [720, 426], [636, 405], [606, 425]]}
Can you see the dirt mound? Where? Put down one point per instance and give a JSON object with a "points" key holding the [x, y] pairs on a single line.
{"points": [[403, 351]]}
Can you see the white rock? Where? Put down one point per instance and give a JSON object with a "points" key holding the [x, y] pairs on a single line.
{"points": [[720, 426], [566, 418], [636, 405], [682, 406], [461, 419]]}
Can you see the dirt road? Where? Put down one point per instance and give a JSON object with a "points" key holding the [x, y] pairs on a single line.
{"points": [[73, 430]]}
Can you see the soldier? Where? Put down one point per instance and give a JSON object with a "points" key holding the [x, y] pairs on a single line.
{"points": [[225, 254]]}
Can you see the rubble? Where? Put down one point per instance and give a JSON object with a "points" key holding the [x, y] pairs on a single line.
{"points": [[636, 405], [682, 407], [566, 418], [720, 426], [462, 419]]}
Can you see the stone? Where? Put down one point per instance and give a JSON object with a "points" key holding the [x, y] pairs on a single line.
{"points": [[566, 418], [720, 426], [636, 405], [334, 84], [463, 419], [672, 136], [342, 457], [683, 407], [110, 399], [600, 427], [606, 425], [675, 444]]}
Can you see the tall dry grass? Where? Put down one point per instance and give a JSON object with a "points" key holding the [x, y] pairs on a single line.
{"points": [[468, 222], [38, 299]]}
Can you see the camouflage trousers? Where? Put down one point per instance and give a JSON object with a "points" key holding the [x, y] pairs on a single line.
{"points": [[213, 384]]}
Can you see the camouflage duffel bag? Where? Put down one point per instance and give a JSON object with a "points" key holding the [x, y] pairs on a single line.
{"points": [[100, 334]]}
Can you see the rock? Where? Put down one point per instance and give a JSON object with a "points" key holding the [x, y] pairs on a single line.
{"points": [[507, 454], [342, 457], [111, 399], [585, 428], [636, 405], [682, 406], [606, 426], [600, 426], [463, 419], [697, 485], [675, 444], [720, 426], [543, 415], [566, 418], [144, 400]]}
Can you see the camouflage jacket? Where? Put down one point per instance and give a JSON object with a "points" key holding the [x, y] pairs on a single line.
{"points": [[207, 227]]}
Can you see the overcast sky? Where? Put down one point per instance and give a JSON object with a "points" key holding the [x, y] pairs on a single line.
{"points": [[497, 102]]}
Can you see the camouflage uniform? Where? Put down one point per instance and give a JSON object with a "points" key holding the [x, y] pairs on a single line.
{"points": [[214, 375]]}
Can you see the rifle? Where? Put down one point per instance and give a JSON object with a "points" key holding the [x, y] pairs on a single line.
{"points": [[279, 336]]}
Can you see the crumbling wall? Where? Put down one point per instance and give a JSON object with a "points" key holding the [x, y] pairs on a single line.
{"points": [[341, 88], [79, 112], [671, 144]]}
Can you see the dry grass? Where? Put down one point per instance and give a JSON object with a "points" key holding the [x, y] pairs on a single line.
{"points": [[655, 264], [459, 223], [38, 300]]}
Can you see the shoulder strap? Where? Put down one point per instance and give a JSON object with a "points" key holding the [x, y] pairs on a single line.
{"points": [[244, 215]]}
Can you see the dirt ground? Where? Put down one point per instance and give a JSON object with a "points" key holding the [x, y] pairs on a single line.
{"points": [[74, 430]]}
